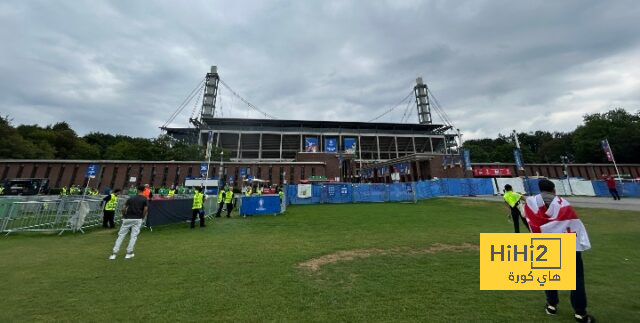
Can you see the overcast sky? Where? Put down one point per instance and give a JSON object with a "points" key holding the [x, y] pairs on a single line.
{"points": [[125, 66]]}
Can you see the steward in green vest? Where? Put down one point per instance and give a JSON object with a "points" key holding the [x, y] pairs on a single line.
{"points": [[222, 194], [248, 191], [228, 200], [172, 192], [111, 203], [513, 200], [1, 190], [197, 208], [63, 191]]}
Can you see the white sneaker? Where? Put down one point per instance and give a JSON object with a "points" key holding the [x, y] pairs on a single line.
{"points": [[129, 256], [112, 257]]}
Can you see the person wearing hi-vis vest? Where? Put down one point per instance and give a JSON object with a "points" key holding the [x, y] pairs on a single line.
{"points": [[172, 192], [513, 201], [221, 195], [111, 202], [228, 200], [196, 209]]}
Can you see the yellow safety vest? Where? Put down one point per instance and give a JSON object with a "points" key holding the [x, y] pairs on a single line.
{"points": [[220, 196], [172, 193], [281, 194], [113, 202], [228, 197], [259, 191], [248, 192], [511, 198], [1, 190], [63, 191], [197, 200]]}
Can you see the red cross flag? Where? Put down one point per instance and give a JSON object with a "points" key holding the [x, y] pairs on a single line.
{"points": [[559, 217]]}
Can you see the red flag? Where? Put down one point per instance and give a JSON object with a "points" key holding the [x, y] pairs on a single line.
{"points": [[559, 217]]}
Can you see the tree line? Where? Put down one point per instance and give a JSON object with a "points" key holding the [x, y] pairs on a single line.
{"points": [[581, 145], [59, 141]]}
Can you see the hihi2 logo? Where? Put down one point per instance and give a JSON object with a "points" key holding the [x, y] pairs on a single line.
{"points": [[520, 261]]}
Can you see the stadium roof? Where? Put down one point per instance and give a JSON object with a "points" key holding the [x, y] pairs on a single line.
{"points": [[317, 124]]}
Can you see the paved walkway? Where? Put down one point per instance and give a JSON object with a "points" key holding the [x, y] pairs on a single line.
{"points": [[630, 204]]}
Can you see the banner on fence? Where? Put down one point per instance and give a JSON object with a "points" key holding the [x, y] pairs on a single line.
{"points": [[304, 191], [255, 205]]}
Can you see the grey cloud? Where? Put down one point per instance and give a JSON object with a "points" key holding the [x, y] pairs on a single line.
{"points": [[125, 66]]}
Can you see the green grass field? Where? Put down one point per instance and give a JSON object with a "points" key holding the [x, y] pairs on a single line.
{"points": [[375, 262]]}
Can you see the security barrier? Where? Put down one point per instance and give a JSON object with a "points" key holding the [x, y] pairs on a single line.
{"points": [[395, 192], [53, 215]]}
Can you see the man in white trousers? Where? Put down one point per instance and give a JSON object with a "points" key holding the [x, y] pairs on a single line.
{"points": [[135, 210]]}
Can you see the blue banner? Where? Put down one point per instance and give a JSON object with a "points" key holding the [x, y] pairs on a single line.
{"points": [[350, 145], [203, 168], [92, 170], [517, 156], [311, 144], [255, 205], [467, 159], [243, 172], [331, 145]]}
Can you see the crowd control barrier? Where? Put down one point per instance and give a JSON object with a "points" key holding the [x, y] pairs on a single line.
{"points": [[395, 192]]}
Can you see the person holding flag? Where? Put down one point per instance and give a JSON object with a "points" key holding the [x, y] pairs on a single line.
{"points": [[548, 213], [513, 201]]}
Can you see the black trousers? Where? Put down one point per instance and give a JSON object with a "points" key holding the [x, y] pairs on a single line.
{"points": [[578, 296], [197, 213], [614, 193], [107, 219], [517, 216], [220, 205], [229, 209]]}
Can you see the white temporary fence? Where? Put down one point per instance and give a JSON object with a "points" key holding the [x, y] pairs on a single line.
{"points": [[516, 182], [563, 187], [581, 187]]}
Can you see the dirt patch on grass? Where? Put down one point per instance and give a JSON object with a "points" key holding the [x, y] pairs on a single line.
{"points": [[349, 255]]}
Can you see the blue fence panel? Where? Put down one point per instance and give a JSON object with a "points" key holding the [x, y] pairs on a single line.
{"points": [[600, 188], [531, 186], [337, 193], [481, 186], [401, 192], [370, 193], [423, 190], [629, 189], [436, 188]]}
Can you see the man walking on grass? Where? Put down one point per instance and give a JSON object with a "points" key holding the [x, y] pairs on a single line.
{"points": [[548, 213], [135, 210]]}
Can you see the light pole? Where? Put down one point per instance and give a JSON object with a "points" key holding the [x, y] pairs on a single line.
{"points": [[565, 161], [220, 171]]}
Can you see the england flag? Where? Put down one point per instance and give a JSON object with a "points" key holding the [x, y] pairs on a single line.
{"points": [[559, 217]]}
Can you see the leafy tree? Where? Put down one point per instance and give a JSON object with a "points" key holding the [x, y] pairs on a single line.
{"points": [[620, 127]]}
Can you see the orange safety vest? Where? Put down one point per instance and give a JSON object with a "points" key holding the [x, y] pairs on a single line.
{"points": [[146, 193]]}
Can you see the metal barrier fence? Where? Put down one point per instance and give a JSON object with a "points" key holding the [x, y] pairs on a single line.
{"points": [[53, 215]]}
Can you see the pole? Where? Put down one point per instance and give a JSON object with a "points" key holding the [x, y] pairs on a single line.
{"points": [[565, 160], [613, 159]]}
